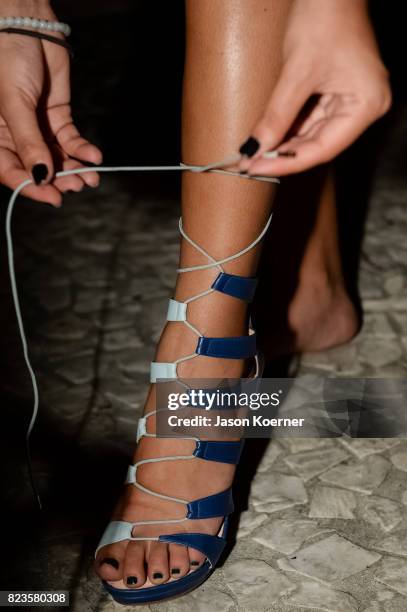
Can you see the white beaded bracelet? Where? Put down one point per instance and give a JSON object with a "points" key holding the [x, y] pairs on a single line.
{"points": [[36, 24]]}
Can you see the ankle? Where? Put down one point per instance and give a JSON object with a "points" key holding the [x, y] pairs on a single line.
{"points": [[323, 281]]}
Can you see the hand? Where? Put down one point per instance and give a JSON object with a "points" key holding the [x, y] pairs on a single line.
{"points": [[329, 50], [37, 133]]}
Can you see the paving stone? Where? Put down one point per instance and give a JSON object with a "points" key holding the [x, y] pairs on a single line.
{"points": [[389, 602], [364, 476], [395, 544], [363, 447], [287, 535], [392, 572], [120, 340], [297, 445], [400, 319], [378, 352], [125, 396], [310, 463], [273, 451], [66, 328], [327, 502], [113, 606], [317, 596], [204, 599], [330, 560], [380, 512], [394, 283], [399, 460], [249, 521], [78, 371], [97, 276], [393, 485], [93, 245], [383, 305], [87, 301], [317, 360], [253, 580], [273, 492], [120, 318], [137, 361], [370, 285], [342, 359], [67, 408], [377, 324]]}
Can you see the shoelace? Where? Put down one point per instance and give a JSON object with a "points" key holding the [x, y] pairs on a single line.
{"points": [[217, 167]]}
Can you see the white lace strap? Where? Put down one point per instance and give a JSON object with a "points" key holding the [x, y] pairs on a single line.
{"points": [[177, 311]]}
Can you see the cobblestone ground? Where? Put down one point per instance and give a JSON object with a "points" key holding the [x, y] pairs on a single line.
{"points": [[326, 525]]}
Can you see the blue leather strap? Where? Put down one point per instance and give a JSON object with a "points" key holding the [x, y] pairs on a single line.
{"points": [[238, 347], [219, 504], [209, 545], [241, 287], [223, 452]]}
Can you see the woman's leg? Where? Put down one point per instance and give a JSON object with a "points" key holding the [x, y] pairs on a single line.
{"points": [[232, 62], [311, 311]]}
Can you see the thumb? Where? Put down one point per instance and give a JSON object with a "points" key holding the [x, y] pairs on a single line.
{"points": [[21, 118], [289, 96]]}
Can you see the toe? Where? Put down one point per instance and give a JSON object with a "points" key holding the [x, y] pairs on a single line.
{"points": [[158, 571], [110, 561], [134, 574], [196, 558], [178, 560]]}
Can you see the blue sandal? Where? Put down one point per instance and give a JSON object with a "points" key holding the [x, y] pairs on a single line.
{"points": [[219, 504]]}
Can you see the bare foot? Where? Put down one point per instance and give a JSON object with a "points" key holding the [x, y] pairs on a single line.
{"points": [[319, 317]]}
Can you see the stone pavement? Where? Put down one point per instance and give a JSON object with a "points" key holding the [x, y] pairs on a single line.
{"points": [[326, 525]]}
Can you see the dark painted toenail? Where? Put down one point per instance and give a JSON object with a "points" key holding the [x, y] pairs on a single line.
{"points": [[175, 570], [195, 563], [131, 580], [249, 147], [157, 575], [110, 561]]}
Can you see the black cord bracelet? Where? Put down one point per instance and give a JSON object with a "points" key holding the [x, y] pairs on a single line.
{"points": [[41, 35]]}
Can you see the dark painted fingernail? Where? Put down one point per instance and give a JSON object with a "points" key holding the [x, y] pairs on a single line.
{"points": [[195, 563], [175, 570], [157, 575], [249, 147], [110, 561], [131, 580], [40, 173], [243, 172], [287, 153]]}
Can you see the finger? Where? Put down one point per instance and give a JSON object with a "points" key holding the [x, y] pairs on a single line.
{"points": [[21, 118], [320, 144], [287, 99], [72, 182], [12, 174], [74, 145]]}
